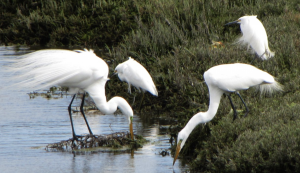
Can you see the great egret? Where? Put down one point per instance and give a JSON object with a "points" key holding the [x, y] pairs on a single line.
{"points": [[226, 78], [77, 70], [135, 74], [254, 34]]}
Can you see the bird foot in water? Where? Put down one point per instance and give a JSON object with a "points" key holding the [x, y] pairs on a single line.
{"points": [[76, 137]]}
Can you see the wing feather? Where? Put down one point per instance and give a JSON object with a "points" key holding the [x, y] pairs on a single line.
{"points": [[51, 67]]}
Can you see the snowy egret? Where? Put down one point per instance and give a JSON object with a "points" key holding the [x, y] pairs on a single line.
{"points": [[226, 78], [135, 74], [254, 34], [77, 70]]}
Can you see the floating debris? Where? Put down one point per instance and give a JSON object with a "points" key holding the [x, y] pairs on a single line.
{"points": [[115, 140], [61, 92], [164, 152], [53, 92]]}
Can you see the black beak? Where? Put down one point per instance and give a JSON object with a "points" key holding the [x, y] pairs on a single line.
{"points": [[112, 75], [230, 23]]}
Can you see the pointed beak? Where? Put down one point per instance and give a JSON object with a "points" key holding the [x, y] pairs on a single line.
{"points": [[177, 151], [234, 22], [131, 128], [115, 73]]}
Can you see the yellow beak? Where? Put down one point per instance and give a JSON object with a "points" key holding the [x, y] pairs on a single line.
{"points": [[177, 151], [131, 129]]}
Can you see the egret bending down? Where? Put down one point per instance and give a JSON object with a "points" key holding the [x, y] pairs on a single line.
{"points": [[135, 74], [226, 78], [78, 70], [254, 34]]}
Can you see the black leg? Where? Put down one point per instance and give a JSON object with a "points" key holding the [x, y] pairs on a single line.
{"points": [[263, 54], [253, 59], [259, 57], [247, 110], [81, 110], [142, 101], [70, 114], [234, 110]]}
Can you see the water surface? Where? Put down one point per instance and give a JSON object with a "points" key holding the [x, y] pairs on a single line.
{"points": [[28, 125]]}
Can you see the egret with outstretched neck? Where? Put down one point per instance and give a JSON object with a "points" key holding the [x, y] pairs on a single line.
{"points": [[226, 78], [254, 35], [80, 71], [136, 75]]}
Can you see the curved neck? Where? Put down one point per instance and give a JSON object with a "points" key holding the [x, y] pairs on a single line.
{"points": [[204, 117], [97, 93], [112, 105], [214, 101]]}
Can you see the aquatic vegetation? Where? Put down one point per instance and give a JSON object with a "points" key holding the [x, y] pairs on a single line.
{"points": [[174, 39], [113, 141]]}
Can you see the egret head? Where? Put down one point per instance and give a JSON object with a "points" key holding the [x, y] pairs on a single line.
{"points": [[127, 110], [242, 20], [234, 22], [120, 67], [200, 117], [181, 139], [119, 71]]}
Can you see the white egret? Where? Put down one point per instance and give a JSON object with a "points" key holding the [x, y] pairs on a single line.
{"points": [[254, 34], [77, 70], [226, 78], [135, 74]]}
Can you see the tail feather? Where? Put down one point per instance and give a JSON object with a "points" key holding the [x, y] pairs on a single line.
{"points": [[154, 91], [267, 55], [271, 54], [269, 88]]}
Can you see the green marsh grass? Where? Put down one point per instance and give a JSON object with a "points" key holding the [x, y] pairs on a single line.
{"points": [[173, 40]]}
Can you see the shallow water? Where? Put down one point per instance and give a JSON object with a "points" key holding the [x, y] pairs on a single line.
{"points": [[28, 125]]}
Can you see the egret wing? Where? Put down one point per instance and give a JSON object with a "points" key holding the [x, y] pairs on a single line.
{"points": [[235, 77], [139, 77], [47, 68]]}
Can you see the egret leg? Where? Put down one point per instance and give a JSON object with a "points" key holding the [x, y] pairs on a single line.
{"points": [[247, 110], [133, 99], [253, 59], [142, 101], [71, 119], [263, 54], [82, 111], [129, 88], [234, 110], [258, 57]]}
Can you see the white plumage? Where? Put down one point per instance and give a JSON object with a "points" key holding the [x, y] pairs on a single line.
{"points": [[78, 70], [135, 74], [226, 78], [73, 69], [235, 77], [255, 36]]}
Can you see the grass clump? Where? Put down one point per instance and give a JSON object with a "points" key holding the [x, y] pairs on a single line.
{"points": [[65, 22], [173, 40]]}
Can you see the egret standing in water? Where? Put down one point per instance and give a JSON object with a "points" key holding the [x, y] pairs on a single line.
{"points": [[226, 78], [135, 74], [77, 70], [254, 35]]}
